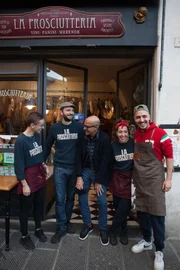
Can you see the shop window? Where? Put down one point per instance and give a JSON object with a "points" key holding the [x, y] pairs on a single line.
{"points": [[17, 99], [18, 96]]}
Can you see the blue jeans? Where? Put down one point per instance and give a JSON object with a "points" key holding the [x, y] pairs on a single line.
{"points": [[64, 182], [88, 178]]}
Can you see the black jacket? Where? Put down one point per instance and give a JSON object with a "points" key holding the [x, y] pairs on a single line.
{"points": [[102, 158]]}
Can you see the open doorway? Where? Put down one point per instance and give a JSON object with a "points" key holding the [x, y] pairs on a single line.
{"points": [[113, 87]]}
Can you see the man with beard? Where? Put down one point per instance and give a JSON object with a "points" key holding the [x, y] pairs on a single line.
{"points": [[152, 147], [64, 136]]}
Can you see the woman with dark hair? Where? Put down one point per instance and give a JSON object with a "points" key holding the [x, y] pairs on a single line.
{"points": [[120, 184], [31, 173]]}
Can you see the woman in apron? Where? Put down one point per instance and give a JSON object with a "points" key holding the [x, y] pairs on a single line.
{"points": [[120, 184]]}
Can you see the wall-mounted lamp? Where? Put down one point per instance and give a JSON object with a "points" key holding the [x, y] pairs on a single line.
{"points": [[29, 103]]}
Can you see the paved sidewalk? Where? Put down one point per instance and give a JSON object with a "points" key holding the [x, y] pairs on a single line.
{"points": [[72, 254]]}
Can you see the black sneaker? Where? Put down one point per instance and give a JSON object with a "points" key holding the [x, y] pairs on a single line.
{"points": [[70, 228], [104, 238], [40, 234], [113, 238], [85, 231], [27, 242], [123, 238], [57, 236]]}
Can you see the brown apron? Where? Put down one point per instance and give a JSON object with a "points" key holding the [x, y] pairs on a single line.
{"points": [[148, 177]]}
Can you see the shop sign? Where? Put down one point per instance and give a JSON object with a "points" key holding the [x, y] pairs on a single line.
{"points": [[14, 93], [61, 22]]}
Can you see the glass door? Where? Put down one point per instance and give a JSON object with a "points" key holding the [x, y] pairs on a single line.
{"points": [[64, 82], [132, 89]]}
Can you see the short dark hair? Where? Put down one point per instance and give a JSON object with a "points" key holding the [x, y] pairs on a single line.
{"points": [[33, 118]]}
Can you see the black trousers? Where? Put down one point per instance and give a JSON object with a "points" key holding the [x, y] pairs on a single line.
{"points": [[32, 202], [148, 223], [122, 208]]}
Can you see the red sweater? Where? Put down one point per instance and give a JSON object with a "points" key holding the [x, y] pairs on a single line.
{"points": [[161, 143]]}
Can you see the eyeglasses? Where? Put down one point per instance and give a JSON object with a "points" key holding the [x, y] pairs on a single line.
{"points": [[39, 125], [88, 126]]}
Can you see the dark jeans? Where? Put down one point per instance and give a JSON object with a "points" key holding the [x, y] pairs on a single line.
{"points": [[64, 182], [122, 208], [148, 223], [88, 178], [27, 203]]}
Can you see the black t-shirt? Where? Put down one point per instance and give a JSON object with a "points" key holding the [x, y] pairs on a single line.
{"points": [[123, 155]]}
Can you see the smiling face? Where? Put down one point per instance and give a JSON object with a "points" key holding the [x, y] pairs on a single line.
{"points": [[91, 125], [38, 127], [122, 134], [67, 113], [142, 119]]}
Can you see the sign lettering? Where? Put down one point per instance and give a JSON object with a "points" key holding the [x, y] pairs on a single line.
{"points": [[61, 22], [15, 93]]}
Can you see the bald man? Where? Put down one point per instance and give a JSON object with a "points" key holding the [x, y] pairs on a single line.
{"points": [[93, 165]]}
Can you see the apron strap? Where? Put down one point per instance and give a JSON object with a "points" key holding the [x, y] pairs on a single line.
{"points": [[150, 137], [152, 134]]}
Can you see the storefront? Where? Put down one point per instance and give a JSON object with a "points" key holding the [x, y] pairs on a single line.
{"points": [[98, 58]]}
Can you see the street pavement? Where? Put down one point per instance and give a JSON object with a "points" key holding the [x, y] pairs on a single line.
{"points": [[74, 254]]}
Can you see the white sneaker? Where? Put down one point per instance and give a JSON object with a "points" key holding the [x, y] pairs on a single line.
{"points": [[158, 261], [141, 246]]}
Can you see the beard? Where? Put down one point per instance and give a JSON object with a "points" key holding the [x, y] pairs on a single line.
{"points": [[66, 118]]}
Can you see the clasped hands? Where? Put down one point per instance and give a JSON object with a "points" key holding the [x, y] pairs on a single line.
{"points": [[97, 186]]}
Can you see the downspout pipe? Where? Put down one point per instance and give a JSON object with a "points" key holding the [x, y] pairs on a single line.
{"points": [[162, 45]]}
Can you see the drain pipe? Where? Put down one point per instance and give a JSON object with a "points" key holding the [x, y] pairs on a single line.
{"points": [[162, 44]]}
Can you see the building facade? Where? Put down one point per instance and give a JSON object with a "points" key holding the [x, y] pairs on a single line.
{"points": [[104, 59]]}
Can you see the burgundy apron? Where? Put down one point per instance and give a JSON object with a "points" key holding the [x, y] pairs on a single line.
{"points": [[35, 177], [148, 177], [120, 184]]}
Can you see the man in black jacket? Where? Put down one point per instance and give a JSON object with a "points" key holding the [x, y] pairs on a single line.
{"points": [[93, 165]]}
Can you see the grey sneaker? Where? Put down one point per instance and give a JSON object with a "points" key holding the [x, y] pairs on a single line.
{"points": [[141, 246]]}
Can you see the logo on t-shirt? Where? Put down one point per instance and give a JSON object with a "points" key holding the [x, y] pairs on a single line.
{"points": [[124, 156], [67, 135], [36, 150]]}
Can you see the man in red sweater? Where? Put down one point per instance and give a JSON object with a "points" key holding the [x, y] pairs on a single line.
{"points": [[153, 147]]}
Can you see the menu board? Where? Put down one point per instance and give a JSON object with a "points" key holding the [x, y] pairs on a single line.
{"points": [[174, 133]]}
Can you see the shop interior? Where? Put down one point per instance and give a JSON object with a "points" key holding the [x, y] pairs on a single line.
{"points": [[108, 88]]}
